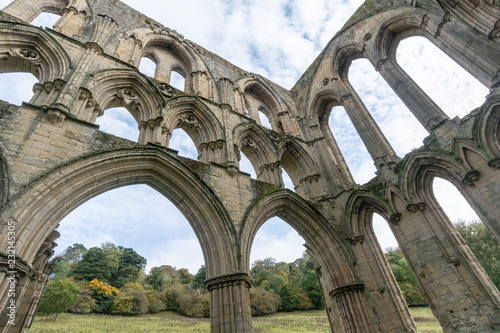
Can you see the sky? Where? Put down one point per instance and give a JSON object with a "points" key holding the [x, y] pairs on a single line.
{"points": [[277, 39]]}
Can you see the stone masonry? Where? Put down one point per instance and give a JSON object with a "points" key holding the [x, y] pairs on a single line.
{"points": [[53, 157]]}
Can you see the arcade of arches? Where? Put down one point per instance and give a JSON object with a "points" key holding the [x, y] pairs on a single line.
{"points": [[53, 157]]}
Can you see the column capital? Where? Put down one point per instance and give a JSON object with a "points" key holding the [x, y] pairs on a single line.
{"points": [[220, 281], [347, 289]]}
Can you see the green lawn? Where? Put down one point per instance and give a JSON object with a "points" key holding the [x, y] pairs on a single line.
{"points": [[308, 321]]}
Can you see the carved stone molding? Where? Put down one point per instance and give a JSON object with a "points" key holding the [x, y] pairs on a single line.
{"points": [[381, 63], [310, 179], [425, 20], [20, 266], [228, 280], [55, 116], [494, 163], [356, 239], [28, 54], [248, 141], [471, 177], [166, 90], [395, 218], [271, 166], [347, 289], [418, 207], [326, 199], [446, 18]]}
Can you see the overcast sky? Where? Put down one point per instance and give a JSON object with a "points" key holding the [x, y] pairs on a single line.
{"points": [[278, 39]]}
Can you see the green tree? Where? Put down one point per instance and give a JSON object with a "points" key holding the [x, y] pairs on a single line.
{"points": [[289, 296], [129, 267], [94, 265], [199, 279], [59, 296], [61, 269], [484, 246], [310, 283], [74, 253]]}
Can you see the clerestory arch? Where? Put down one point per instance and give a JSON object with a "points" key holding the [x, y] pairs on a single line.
{"points": [[28, 13], [252, 141], [199, 122], [125, 88], [32, 50], [41, 206]]}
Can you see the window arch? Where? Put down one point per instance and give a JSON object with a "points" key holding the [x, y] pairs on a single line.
{"points": [[46, 20], [16, 87], [446, 82], [352, 148], [398, 124], [177, 80], [173, 241], [183, 143], [118, 121], [147, 66]]}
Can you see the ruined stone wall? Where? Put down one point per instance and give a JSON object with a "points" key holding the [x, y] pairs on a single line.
{"points": [[53, 157]]}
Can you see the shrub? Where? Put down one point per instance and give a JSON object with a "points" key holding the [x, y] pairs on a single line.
{"points": [[192, 305], [264, 302], [103, 293], [157, 301], [130, 302], [85, 303]]}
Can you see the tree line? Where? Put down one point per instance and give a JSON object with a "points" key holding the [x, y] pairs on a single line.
{"points": [[111, 279]]}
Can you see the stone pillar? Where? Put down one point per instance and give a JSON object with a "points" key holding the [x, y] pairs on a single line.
{"points": [[67, 15], [428, 113], [271, 173], [226, 92], [230, 303], [13, 272], [352, 308], [376, 143], [461, 295]]}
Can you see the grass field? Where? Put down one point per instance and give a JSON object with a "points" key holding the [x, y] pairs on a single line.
{"points": [[309, 321]]}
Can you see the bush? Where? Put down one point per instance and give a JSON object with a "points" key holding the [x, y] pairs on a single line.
{"points": [[103, 293], [85, 303], [192, 305], [172, 295], [130, 302], [157, 301], [264, 302]]}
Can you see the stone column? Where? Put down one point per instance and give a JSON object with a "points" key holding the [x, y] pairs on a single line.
{"points": [[352, 308], [376, 143], [461, 295], [428, 113], [230, 303]]}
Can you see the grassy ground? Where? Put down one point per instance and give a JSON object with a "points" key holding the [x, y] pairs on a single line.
{"points": [[309, 321]]}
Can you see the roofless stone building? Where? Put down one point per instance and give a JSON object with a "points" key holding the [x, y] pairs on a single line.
{"points": [[53, 157]]}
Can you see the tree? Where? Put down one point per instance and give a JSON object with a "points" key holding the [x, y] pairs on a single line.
{"points": [[199, 279], [484, 246], [310, 283], [93, 265], [129, 267], [74, 253], [59, 296]]}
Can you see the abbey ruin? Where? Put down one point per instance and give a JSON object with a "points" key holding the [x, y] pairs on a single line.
{"points": [[53, 157]]}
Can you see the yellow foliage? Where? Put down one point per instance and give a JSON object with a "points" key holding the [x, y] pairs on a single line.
{"points": [[101, 288]]}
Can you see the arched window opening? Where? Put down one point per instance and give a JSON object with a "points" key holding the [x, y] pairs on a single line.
{"points": [[283, 275], [396, 122], [177, 80], [264, 120], [119, 122], [287, 181], [147, 67], [45, 20], [119, 216], [447, 83], [16, 88], [470, 227], [384, 234], [246, 166], [181, 142], [400, 268], [354, 151]]}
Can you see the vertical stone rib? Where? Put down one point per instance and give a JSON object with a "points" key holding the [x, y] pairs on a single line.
{"points": [[375, 141], [428, 113], [234, 303]]}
